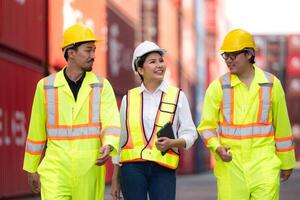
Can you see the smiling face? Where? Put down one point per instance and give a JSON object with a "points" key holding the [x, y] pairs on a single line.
{"points": [[237, 62], [153, 68]]}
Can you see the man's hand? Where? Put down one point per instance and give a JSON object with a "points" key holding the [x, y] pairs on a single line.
{"points": [[163, 143], [285, 174], [224, 153], [34, 182], [104, 155]]}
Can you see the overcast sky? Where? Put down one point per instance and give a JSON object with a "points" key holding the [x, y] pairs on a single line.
{"points": [[264, 16]]}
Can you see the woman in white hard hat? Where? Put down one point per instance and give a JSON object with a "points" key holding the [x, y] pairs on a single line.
{"points": [[146, 164]]}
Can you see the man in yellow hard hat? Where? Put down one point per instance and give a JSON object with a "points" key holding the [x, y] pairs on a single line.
{"points": [[246, 126], [75, 123]]}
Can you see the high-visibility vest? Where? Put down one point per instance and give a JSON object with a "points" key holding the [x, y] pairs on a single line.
{"points": [[260, 130], [63, 132], [68, 129], [138, 148]]}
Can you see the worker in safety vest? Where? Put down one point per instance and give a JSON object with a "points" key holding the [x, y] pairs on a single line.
{"points": [[75, 121], [145, 170], [246, 126]]}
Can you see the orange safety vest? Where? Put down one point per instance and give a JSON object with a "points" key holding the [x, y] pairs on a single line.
{"points": [[138, 148]]}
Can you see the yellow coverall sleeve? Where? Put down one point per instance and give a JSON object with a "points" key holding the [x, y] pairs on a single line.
{"points": [[36, 139], [282, 125], [210, 116], [110, 118]]}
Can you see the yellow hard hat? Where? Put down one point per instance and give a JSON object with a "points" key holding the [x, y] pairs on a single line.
{"points": [[236, 40], [78, 33]]}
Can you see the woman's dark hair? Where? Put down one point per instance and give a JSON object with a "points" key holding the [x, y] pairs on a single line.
{"points": [[141, 60]]}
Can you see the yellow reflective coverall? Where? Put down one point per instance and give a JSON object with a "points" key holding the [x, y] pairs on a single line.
{"points": [[71, 134], [254, 123]]}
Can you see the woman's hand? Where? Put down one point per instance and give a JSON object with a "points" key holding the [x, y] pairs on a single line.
{"points": [[115, 184], [164, 143]]}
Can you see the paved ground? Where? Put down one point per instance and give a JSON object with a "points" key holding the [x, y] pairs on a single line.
{"points": [[202, 187]]}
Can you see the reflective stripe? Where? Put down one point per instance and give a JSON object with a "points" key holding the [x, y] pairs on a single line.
{"points": [[97, 87], [284, 144], [137, 147], [265, 93], [169, 160], [207, 134], [55, 131], [166, 112], [111, 131], [246, 132], [50, 96], [226, 100], [34, 148], [265, 99], [69, 133]]}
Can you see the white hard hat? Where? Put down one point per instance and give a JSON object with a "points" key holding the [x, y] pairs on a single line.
{"points": [[144, 48]]}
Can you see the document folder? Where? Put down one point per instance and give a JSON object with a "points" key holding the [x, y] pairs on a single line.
{"points": [[166, 131]]}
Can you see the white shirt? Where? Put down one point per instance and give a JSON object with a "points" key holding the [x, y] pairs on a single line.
{"points": [[182, 124]]}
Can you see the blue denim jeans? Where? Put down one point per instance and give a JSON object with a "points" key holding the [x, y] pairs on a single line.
{"points": [[140, 179]]}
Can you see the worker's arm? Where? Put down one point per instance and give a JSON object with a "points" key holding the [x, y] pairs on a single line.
{"points": [[186, 130], [110, 118], [283, 132], [36, 139], [210, 116]]}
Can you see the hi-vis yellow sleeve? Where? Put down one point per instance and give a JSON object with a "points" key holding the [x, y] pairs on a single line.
{"points": [[283, 132], [36, 139], [110, 118], [210, 116]]}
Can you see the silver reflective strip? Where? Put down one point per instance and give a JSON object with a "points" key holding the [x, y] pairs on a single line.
{"points": [[34, 147], [284, 144], [75, 132], [208, 134], [50, 93], [226, 97], [266, 98], [115, 131], [96, 101], [246, 131]]}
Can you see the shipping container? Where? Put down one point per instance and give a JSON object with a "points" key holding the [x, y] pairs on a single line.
{"points": [[293, 57], [187, 162], [23, 27], [165, 30], [18, 84], [121, 41]]}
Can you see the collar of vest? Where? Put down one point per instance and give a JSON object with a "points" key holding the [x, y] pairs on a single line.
{"points": [[259, 77], [90, 78]]}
